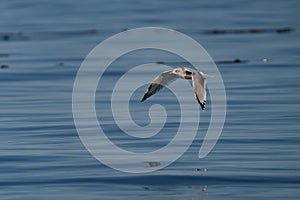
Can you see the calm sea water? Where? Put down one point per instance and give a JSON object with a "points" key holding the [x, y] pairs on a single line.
{"points": [[42, 45]]}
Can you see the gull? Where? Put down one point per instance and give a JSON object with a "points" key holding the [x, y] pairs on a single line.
{"points": [[168, 77]]}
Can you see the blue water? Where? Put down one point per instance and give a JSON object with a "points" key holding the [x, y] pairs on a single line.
{"points": [[42, 45]]}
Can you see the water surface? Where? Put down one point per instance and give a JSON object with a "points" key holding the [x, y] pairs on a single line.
{"points": [[42, 47]]}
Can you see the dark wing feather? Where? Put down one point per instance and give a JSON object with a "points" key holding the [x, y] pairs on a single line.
{"points": [[199, 88]]}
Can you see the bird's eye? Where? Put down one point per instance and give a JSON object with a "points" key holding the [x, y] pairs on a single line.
{"points": [[176, 70], [188, 73]]}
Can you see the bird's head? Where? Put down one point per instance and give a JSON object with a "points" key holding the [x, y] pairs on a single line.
{"points": [[183, 72], [188, 73]]}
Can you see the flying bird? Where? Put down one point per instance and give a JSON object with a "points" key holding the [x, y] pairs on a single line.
{"points": [[168, 77]]}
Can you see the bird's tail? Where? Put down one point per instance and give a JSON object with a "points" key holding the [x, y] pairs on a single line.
{"points": [[207, 75]]}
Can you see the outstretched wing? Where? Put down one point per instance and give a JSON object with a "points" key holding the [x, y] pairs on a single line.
{"points": [[199, 88], [159, 82]]}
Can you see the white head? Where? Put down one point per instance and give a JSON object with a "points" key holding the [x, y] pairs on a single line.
{"points": [[183, 72]]}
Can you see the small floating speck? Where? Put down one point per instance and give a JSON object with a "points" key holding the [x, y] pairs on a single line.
{"points": [[61, 64], [265, 60]]}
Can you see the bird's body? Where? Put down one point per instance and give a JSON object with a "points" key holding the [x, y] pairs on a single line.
{"points": [[168, 77]]}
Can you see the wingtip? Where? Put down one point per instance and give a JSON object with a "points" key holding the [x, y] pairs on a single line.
{"points": [[144, 98], [202, 106]]}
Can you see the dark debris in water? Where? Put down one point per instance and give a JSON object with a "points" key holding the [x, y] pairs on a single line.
{"points": [[237, 60], [246, 31], [7, 36], [202, 170], [234, 61], [4, 55], [3, 66], [61, 64], [72, 32]]}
